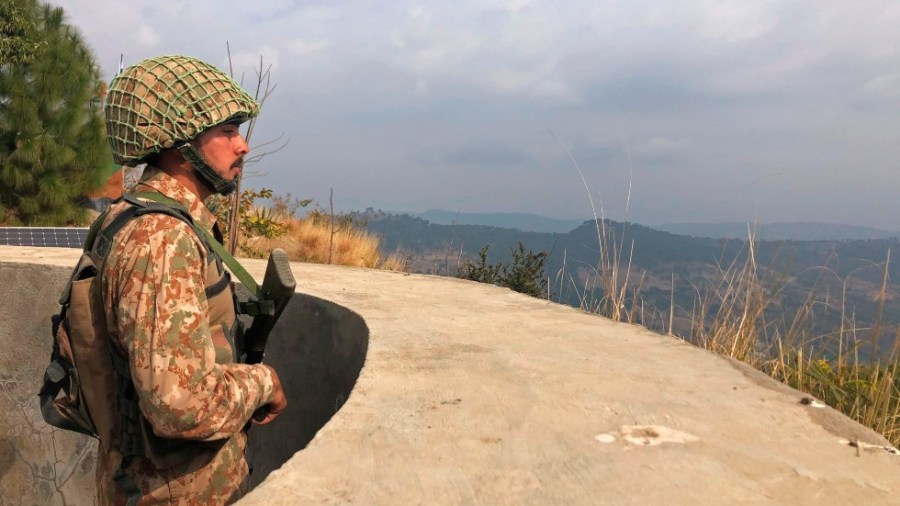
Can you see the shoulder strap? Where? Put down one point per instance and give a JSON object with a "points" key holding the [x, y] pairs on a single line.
{"points": [[94, 230], [101, 238], [100, 244], [213, 243]]}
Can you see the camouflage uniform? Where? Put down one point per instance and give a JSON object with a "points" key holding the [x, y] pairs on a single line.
{"points": [[181, 359]]}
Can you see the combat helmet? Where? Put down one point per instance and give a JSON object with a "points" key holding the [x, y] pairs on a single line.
{"points": [[164, 102]]}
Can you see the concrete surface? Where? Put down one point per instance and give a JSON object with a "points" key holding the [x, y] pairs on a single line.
{"points": [[471, 394]]}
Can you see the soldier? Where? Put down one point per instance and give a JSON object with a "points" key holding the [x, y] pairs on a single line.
{"points": [[168, 302]]}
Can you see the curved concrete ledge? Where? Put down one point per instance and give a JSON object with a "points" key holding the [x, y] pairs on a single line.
{"points": [[475, 394], [318, 349]]}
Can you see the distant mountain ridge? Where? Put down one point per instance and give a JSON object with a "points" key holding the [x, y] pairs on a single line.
{"points": [[526, 222], [786, 231], [657, 259], [791, 231]]}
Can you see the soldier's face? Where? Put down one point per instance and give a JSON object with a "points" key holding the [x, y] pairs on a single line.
{"points": [[223, 147]]}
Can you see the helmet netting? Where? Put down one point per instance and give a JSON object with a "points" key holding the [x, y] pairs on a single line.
{"points": [[159, 102]]}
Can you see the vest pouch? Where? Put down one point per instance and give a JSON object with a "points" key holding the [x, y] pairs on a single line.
{"points": [[89, 399], [70, 405]]}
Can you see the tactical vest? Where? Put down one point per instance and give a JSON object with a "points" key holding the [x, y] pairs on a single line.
{"points": [[137, 438]]}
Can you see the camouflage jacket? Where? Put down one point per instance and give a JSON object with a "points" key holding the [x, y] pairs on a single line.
{"points": [[191, 393]]}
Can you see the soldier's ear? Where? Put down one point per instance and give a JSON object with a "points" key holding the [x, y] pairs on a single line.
{"points": [[172, 160]]}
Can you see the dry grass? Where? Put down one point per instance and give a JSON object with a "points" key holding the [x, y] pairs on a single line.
{"points": [[310, 240], [738, 314], [842, 367]]}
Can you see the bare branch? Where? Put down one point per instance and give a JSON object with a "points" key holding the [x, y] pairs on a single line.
{"points": [[264, 89], [230, 67], [256, 158]]}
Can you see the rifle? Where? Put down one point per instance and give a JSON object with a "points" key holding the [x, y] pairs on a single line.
{"points": [[278, 288]]}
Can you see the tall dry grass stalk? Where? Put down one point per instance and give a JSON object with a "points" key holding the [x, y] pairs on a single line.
{"points": [[731, 315], [610, 276]]}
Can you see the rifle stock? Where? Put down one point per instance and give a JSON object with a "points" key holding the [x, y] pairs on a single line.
{"points": [[278, 286]]}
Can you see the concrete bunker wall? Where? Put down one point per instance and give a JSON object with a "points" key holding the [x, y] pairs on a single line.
{"points": [[318, 348]]}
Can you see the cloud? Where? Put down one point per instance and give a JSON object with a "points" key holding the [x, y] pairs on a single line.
{"points": [[515, 80], [597, 155], [718, 90], [556, 90], [305, 48], [243, 61], [657, 148], [421, 87], [737, 20], [484, 154], [887, 85], [512, 5], [147, 36]]}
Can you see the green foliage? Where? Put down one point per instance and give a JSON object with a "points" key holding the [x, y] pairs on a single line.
{"points": [[53, 148], [524, 273], [481, 271], [258, 221], [255, 220], [18, 41], [262, 222]]}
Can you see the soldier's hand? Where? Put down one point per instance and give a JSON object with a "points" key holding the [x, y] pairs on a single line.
{"points": [[278, 403]]}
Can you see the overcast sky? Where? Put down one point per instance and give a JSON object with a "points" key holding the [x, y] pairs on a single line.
{"points": [[776, 110]]}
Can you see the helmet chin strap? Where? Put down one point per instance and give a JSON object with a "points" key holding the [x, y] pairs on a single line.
{"points": [[207, 174]]}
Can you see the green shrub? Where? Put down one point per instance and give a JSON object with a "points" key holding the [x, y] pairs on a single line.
{"points": [[524, 274]]}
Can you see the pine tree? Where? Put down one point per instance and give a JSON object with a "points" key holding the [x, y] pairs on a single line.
{"points": [[53, 148], [17, 41]]}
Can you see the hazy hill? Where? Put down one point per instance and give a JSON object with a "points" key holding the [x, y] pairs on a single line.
{"points": [[791, 231], [831, 272], [522, 221], [799, 231]]}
